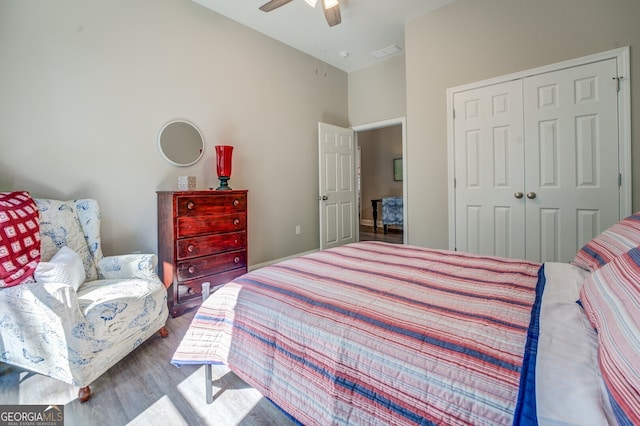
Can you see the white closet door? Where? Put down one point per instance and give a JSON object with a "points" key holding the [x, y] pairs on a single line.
{"points": [[571, 158], [489, 160]]}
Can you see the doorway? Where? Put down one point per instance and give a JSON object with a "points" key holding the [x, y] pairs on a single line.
{"points": [[381, 173]]}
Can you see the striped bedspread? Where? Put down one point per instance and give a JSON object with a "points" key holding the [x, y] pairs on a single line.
{"points": [[375, 333]]}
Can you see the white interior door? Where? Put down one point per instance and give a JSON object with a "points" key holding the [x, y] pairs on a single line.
{"points": [[337, 192], [571, 151], [489, 183]]}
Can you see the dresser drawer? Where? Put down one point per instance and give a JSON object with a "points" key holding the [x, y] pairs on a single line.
{"points": [[198, 267], [192, 289], [210, 244], [203, 205], [196, 226]]}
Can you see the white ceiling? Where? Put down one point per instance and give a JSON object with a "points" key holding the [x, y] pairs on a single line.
{"points": [[367, 26]]}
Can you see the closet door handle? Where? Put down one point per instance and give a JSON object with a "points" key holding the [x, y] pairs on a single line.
{"points": [[518, 195], [531, 195]]}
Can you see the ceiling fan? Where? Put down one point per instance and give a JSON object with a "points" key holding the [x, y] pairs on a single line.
{"points": [[331, 9]]}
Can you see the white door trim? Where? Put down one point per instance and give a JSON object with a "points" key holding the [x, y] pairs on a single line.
{"points": [[388, 123], [621, 55]]}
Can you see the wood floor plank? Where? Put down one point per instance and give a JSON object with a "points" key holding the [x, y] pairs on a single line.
{"points": [[144, 388]]}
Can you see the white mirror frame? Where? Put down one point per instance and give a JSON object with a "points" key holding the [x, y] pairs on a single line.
{"points": [[176, 142]]}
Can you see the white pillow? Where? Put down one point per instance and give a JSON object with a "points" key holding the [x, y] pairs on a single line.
{"points": [[64, 267]]}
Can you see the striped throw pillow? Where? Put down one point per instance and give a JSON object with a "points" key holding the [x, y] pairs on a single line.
{"points": [[611, 299], [611, 243]]}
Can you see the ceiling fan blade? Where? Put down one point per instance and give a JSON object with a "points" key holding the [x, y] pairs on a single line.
{"points": [[332, 14], [273, 4]]}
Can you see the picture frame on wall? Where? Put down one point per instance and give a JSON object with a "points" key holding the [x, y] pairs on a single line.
{"points": [[397, 169]]}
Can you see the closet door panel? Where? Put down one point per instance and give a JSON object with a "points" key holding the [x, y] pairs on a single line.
{"points": [[571, 158], [489, 155]]}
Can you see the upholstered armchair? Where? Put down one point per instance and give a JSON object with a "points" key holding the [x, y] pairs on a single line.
{"points": [[75, 322], [392, 212]]}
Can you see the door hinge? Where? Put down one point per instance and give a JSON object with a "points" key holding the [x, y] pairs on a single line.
{"points": [[454, 182], [617, 79], [620, 180], [454, 113]]}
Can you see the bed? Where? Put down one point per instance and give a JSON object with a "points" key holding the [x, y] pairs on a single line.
{"points": [[377, 333]]}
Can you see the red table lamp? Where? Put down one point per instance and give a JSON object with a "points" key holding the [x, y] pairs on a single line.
{"points": [[223, 165]]}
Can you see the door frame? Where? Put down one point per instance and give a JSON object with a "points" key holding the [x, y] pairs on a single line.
{"points": [[621, 55], [402, 121]]}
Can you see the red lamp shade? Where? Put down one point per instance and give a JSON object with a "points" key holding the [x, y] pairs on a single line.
{"points": [[223, 164], [223, 160]]}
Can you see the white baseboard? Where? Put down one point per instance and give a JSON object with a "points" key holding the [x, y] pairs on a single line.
{"points": [[271, 262]]}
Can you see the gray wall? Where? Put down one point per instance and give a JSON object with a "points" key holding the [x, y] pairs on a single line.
{"points": [[87, 85], [378, 92]]}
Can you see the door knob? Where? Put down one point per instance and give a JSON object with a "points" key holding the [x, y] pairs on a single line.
{"points": [[324, 198], [518, 195], [531, 195]]}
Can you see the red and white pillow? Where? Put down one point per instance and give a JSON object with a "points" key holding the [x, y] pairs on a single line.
{"points": [[611, 243], [611, 299], [19, 238]]}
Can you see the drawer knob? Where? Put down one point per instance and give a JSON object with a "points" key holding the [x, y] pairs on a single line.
{"points": [[236, 221], [236, 202], [191, 248], [191, 291], [236, 259], [191, 205], [191, 269]]}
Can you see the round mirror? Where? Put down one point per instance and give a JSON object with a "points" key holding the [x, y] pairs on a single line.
{"points": [[181, 143]]}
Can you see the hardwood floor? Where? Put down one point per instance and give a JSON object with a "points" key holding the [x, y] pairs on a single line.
{"points": [[394, 235], [144, 389]]}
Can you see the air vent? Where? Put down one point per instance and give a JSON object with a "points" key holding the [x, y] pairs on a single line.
{"points": [[387, 51]]}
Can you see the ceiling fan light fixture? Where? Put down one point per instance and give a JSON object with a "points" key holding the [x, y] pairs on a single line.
{"points": [[328, 4], [332, 12]]}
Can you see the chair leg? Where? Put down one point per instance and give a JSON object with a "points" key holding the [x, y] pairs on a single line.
{"points": [[164, 332], [84, 394]]}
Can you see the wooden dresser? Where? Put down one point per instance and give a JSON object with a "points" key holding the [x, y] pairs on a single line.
{"points": [[202, 237]]}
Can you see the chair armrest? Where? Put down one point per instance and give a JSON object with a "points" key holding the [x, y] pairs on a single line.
{"points": [[128, 266], [42, 303]]}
